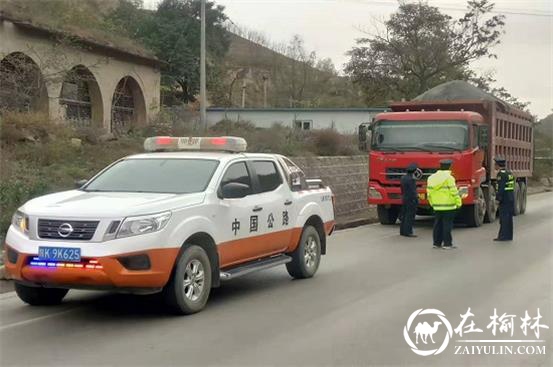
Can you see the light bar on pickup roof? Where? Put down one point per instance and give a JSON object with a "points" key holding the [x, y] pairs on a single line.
{"points": [[222, 143]]}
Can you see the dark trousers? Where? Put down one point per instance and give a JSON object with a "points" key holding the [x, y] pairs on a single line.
{"points": [[506, 211], [443, 224], [408, 213]]}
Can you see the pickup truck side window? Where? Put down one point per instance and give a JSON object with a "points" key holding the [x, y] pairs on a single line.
{"points": [[267, 174], [237, 172]]}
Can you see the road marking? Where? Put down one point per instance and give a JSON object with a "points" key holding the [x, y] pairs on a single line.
{"points": [[25, 322]]}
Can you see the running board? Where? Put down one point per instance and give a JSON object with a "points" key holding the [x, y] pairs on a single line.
{"points": [[255, 265]]}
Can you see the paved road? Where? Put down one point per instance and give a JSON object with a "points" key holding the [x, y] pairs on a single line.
{"points": [[352, 313]]}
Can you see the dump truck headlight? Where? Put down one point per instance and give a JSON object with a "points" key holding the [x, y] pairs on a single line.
{"points": [[374, 194]]}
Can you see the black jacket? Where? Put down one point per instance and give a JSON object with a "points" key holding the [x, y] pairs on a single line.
{"points": [[409, 190], [503, 195]]}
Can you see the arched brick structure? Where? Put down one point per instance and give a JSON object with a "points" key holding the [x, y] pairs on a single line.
{"points": [[128, 106], [81, 98], [23, 87], [108, 64]]}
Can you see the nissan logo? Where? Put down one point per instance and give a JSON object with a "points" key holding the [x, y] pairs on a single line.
{"points": [[417, 174], [65, 230]]}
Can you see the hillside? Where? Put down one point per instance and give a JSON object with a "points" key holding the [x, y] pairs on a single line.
{"points": [[248, 66], [289, 82], [544, 136]]}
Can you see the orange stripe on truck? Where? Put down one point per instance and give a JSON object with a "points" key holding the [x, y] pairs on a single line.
{"points": [[162, 260], [250, 248]]}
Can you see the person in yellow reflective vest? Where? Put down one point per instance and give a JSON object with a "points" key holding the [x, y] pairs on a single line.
{"points": [[506, 197], [444, 198]]}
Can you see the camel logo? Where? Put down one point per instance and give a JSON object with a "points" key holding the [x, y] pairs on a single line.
{"points": [[424, 332]]}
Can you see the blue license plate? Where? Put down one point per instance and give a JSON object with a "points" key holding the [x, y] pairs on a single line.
{"points": [[59, 254]]}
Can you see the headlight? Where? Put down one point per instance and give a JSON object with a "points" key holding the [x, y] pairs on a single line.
{"points": [[134, 226], [374, 194], [463, 191], [21, 222]]}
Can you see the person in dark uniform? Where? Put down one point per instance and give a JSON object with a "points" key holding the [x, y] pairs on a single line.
{"points": [[410, 201], [506, 197]]}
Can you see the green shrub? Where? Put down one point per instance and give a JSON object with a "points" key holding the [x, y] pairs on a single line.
{"points": [[329, 142], [13, 193]]}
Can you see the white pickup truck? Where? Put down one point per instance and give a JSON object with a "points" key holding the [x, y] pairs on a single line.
{"points": [[180, 219]]}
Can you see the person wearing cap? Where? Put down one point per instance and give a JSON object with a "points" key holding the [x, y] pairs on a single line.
{"points": [[506, 197], [444, 198], [410, 201]]}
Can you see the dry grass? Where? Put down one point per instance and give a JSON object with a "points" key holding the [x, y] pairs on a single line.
{"points": [[83, 19]]}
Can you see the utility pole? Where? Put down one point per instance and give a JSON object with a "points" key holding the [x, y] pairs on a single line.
{"points": [[265, 79], [203, 119], [243, 93]]}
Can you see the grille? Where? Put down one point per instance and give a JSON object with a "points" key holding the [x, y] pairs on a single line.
{"points": [[397, 173], [82, 230]]}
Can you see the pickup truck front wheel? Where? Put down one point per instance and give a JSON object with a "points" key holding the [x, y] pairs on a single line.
{"points": [[38, 296], [306, 258], [188, 290]]}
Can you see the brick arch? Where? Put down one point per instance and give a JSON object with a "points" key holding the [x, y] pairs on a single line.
{"points": [[128, 105], [81, 98], [22, 84]]}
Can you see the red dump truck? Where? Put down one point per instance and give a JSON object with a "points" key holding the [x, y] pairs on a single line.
{"points": [[453, 121]]}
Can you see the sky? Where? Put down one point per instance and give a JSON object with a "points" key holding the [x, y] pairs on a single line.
{"points": [[330, 27]]}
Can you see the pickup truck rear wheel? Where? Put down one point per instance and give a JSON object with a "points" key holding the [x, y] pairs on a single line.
{"points": [[188, 290], [387, 215], [38, 296], [307, 256]]}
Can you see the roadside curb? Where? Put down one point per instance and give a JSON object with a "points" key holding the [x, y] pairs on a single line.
{"points": [[356, 223]]}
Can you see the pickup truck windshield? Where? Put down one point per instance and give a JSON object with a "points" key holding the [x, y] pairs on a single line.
{"points": [[174, 176], [420, 135]]}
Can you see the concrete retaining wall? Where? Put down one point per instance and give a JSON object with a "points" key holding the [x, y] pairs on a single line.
{"points": [[346, 176]]}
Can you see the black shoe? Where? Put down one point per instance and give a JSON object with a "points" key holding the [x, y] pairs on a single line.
{"points": [[411, 235], [501, 240]]}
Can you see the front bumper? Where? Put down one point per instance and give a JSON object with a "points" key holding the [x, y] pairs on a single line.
{"points": [[379, 194], [391, 195], [110, 272]]}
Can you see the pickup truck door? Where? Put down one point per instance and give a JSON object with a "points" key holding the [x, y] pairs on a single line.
{"points": [[236, 219], [277, 216]]}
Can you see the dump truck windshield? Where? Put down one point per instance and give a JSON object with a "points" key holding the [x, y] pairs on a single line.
{"points": [[420, 135]]}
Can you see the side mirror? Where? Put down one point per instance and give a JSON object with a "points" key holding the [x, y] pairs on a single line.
{"points": [[235, 190], [80, 183], [365, 132], [363, 137], [483, 137]]}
